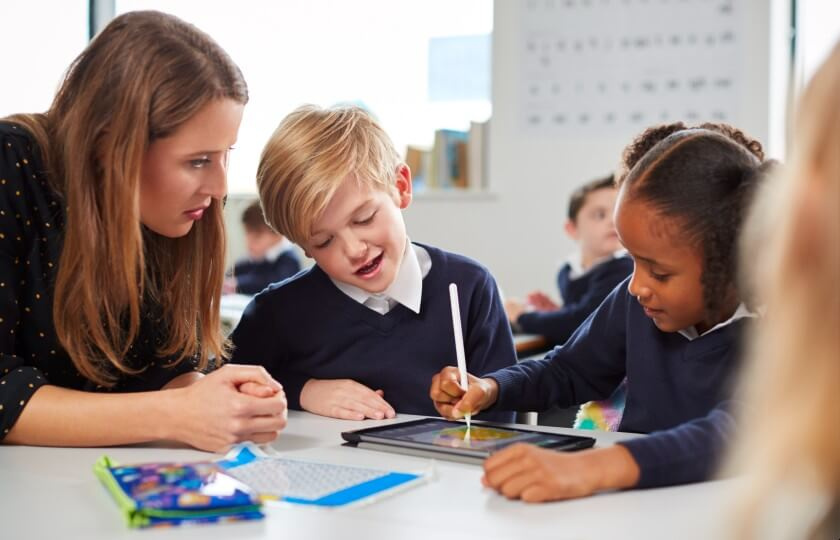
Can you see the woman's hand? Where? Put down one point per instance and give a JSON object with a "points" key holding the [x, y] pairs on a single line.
{"points": [[345, 399], [235, 403], [453, 401], [533, 474]]}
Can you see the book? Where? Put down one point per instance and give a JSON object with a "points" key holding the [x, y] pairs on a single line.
{"points": [[166, 494], [477, 155], [446, 166], [296, 481], [418, 160]]}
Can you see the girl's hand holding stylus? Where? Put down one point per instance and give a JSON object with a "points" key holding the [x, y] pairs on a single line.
{"points": [[452, 401]]}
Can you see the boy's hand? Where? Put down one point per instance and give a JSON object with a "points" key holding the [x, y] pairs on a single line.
{"points": [[514, 308], [541, 302], [533, 474], [345, 399], [451, 401]]}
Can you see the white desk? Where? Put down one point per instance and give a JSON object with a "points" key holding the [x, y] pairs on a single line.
{"points": [[52, 493], [231, 307]]}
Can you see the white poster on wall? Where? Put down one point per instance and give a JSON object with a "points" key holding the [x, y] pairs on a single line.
{"points": [[613, 67]]}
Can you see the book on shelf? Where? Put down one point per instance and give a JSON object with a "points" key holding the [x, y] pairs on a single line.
{"points": [[447, 169], [418, 159], [457, 160], [477, 153]]}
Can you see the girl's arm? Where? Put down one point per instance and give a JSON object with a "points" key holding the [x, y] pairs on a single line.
{"points": [[589, 366], [209, 414]]}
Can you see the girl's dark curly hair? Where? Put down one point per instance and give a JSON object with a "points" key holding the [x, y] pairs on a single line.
{"points": [[704, 177]]}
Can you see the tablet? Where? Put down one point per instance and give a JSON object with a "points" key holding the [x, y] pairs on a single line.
{"points": [[447, 439]]}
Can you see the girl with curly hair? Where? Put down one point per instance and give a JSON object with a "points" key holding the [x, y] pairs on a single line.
{"points": [[672, 328]]}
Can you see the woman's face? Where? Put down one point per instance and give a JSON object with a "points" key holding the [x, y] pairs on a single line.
{"points": [[183, 172]]}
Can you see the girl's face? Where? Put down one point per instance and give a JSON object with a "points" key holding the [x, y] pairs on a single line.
{"points": [[183, 172], [667, 270]]}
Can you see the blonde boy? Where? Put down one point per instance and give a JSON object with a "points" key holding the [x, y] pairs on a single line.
{"points": [[361, 333]]}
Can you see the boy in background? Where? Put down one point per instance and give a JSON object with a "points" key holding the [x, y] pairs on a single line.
{"points": [[587, 277], [271, 257], [360, 334]]}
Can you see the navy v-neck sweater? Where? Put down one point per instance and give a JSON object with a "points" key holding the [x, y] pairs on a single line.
{"points": [[581, 295], [678, 390], [305, 328]]}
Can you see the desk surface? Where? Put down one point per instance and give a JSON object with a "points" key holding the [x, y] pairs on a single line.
{"points": [[52, 493], [525, 343]]}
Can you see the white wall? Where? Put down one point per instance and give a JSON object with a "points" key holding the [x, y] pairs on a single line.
{"points": [[518, 232]]}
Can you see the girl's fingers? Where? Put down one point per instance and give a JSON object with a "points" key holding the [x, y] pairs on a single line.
{"points": [[451, 388], [471, 400], [513, 487], [500, 460], [534, 493]]}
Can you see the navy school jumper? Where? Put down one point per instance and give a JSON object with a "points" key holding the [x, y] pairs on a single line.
{"points": [[677, 390], [305, 327], [580, 295]]}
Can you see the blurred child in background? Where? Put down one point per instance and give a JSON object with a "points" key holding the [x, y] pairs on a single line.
{"points": [[589, 275], [271, 256]]}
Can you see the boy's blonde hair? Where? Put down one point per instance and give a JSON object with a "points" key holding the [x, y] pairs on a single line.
{"points": [[791, 399], [310, 154]]}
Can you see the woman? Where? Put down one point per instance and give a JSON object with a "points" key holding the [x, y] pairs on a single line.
{"points": [[112, 250]]}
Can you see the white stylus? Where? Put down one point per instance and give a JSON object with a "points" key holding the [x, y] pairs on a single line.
{"points": [[459, 344]]}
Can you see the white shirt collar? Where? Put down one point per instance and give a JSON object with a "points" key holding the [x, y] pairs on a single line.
{"points": [[742, 312], [406, 289], [575, 262], [278, 249]]}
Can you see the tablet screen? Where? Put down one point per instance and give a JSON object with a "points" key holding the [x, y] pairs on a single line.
{"points": [[483, 439]]}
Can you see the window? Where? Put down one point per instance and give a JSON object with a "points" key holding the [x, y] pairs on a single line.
{"points": [[818, 23], [369, 52], [40, 40]]}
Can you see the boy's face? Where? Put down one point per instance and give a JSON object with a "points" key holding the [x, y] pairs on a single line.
{"points": [[260, 240], [666, 272], [594, 228], [360, 237]]}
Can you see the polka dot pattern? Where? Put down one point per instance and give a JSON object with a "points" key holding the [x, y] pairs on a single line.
{"points": [[32, 218]]}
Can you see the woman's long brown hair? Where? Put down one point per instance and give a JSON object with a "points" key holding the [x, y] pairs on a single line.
{"points": [[142, 77]]}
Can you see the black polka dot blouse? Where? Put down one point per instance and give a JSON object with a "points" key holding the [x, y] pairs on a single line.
{"points": [[31, 224]]}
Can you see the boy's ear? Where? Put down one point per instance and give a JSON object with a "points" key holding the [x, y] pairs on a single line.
{"points": [[571, 229], [403, 185]]}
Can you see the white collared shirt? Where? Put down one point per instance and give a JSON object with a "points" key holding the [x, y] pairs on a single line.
{"points": [[406, 289], [575, 262], [691, 334]]}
